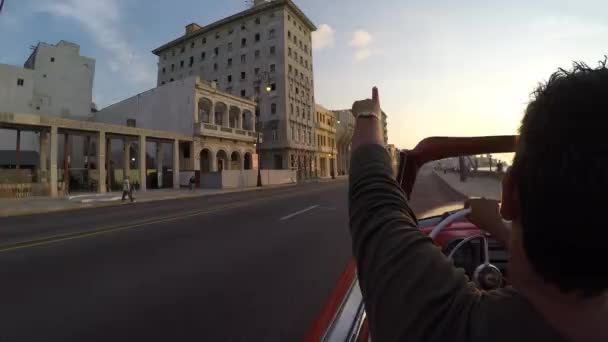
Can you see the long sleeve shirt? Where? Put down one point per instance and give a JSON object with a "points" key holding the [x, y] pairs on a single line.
{"points": [[411, 291]]}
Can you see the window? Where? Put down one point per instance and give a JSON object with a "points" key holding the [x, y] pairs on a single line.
{"points": [[243, 93], [295, 39], [306, 64], [186, 150], [162, 83], [289, 34], [305, 48], [298, 110], [171, 80], [229, 78], [20, 82], [297, 90], [203, 56], [290, 69], [257, 53], [243, 42], [272, 68], [272, 15], [275, 134], [183, 49], [271, 33], [243, 75], [273, 108], [164, 70], [257, 37], [204, 40], [243, 27], [231, 31], [52, 59], [216, 51], [273, 87], [257, 21], [181, 64], [273, 50], [172, 67], [291, 108], [165, 56], [173, 52], [191, 61], [309, 138], [288, 17], [256, 71], [192, 45], [289, 52], [243, 59], [301, 60], [230, 46], [215, 66], [217, 35], [229, 62]]}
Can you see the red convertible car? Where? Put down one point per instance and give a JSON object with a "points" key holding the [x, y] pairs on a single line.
{"points": [[484, 260]]}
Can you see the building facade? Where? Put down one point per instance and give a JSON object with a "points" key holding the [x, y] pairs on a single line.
{"points": [[393, 152], [344, 135], [385, 128], [264, 52], [325, 132], [223, 141], [54, 81]]}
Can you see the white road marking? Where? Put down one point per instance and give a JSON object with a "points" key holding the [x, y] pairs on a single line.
{"points": [[298, 212]]}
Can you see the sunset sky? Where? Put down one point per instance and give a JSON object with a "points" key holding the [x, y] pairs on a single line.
{"points": [[443, 67]]}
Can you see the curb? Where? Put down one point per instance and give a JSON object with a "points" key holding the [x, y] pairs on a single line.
{"points": [[80, 206], [449, 187]]}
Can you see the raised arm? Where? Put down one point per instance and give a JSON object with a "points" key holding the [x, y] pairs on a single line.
{"points": [[411, 291]]}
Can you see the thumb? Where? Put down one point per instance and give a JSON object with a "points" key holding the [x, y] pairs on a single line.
{"points": [[375, 96]]}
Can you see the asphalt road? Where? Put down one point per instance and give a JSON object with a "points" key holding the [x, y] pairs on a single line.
{"points": [[253, 266]]}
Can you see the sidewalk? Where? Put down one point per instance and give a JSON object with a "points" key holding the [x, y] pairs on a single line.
{"points": [[36, 205], [474, 187]]}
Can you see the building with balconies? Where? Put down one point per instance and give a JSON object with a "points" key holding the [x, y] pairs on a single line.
{"points": [[325, 131], [264, 51], [222, 125]]}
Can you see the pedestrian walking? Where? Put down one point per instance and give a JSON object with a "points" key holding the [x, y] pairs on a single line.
{"points": [[192, 183], [127, 189]]}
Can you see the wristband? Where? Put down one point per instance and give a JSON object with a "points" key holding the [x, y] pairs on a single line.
{"points": [[368, 115]]}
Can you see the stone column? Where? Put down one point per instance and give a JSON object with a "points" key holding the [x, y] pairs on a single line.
{"points": [[53, 171], [213, 166], [176, 164], [159, 164], [108, 163], [226, 117], [126, 159], [142, 163], [239, 120], [42, 165], [212, 114], [18, 150], [101, 161]]}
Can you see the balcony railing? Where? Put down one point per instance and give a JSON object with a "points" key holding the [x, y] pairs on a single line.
{"points": [[206, 129]]}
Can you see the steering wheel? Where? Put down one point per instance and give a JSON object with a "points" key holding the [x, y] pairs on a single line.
{"points": [[486, 275]]}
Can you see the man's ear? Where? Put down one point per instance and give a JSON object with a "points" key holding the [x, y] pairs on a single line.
{"points": [[509, 209]]}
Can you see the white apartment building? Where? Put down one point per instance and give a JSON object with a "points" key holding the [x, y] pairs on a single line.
{"points": [[325, 158], [54, 81], [264, 52]]}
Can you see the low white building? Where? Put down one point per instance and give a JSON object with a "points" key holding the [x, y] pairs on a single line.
{"points": [[54, 81], [222, 125]]}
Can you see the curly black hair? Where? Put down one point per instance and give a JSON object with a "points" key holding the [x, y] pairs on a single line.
{"points": [[561, 173]]}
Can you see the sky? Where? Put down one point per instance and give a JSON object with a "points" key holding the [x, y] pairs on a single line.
{"points": [[444, 68]]}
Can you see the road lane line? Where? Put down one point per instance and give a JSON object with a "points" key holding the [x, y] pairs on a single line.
{"points": [[298, 212], [115, 228]]}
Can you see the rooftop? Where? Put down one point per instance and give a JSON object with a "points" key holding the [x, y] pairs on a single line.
{"points": [[194, 30]]}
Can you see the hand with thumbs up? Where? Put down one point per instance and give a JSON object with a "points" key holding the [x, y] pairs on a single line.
{"points": [[368, 129]]}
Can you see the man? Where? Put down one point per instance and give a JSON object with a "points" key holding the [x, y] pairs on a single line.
{"points": [[127, 189], [554, 197]]}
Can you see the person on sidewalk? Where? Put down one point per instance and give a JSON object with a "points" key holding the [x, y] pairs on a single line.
{"points": [[127, 189], [557, 238], [192, 183]]}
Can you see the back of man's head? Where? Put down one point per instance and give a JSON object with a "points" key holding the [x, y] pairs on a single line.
{"points": [[561, 174]]}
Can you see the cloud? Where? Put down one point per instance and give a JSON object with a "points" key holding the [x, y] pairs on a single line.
{"points": [[101, 19], [323, 37], [362, 54], [361, 39]]}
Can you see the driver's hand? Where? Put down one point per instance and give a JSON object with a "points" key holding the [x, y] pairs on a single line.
{"points": [[485, 214]]}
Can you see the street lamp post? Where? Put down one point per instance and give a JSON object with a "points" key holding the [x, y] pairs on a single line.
{"points": [[264, 77]]}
